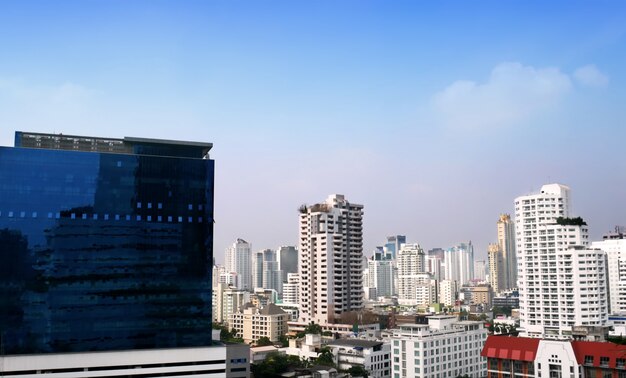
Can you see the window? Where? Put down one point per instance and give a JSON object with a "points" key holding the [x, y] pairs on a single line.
{"points": [[604, 361], [588, 360]]}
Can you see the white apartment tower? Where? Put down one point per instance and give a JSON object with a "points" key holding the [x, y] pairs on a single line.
{"points": [[448, 292], [414, 284], [238, 261], [380, 276], [459, 263], [616, 256], [506, 240], [562, 282], [331, 259]]}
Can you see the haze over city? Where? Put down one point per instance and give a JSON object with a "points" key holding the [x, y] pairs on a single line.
{"points": [[434, 117]]}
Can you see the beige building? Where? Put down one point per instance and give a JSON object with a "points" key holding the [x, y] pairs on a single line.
{"points": [[506, 240], [226, 301], [252, 323], [497, 268]]}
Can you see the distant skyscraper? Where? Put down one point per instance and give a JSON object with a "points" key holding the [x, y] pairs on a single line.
{"points": [[506, 240], [257, 269], [497, 268], [412, 275], [459, 263], [562, 282], [287, 260], [238, 260], [434, 266], [272, 275], [380, 276], [615, 247], [330, 259], [480, 270], [393, 245]]}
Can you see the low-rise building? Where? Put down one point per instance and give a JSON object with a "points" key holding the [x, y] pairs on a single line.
{"points": [[226, 301], [252, 323], [373, 356], [533, 357], [445, 347]]}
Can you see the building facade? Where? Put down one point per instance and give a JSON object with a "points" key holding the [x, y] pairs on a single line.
{"points": [[239, 261], [106, 247], [615, 249], [252, 323], [443, 348], [373, 356], [506, 241], [497, 267], [330, 260], [532, 357], [563, 283]]}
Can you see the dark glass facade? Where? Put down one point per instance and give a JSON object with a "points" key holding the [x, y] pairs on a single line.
{"points": [[105, 251]]}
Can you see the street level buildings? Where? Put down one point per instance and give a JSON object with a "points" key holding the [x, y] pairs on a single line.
{"points": [[252, 323], [445, 347]]}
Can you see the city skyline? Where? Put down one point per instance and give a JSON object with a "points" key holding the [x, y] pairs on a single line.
{"points": [[433, 117]]}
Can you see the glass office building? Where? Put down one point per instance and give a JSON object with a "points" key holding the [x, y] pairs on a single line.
{"points": [[105, 244]]}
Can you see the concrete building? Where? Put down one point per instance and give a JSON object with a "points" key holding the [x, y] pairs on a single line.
{"points": [[252, 323], [330, 259], [373, 356], [287, 260], [227, 300], [265, 271], [506, 241], [497, 267], [459, 263], [481, 294], [445, 347], [291, 289], [562, 282], [448, 291], [239, 261], [615, 248], [380, 277], [412, 274], [434, 267], [480, 270]]}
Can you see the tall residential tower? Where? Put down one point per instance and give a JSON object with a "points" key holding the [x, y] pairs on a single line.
{"points": [[331, 259], [562, 282]]}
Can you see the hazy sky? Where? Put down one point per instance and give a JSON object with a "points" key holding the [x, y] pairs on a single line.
{"points": [[435, 117]]}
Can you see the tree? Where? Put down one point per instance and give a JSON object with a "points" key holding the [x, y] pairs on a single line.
{"points": [[284, 341], [326, 357], [358, 371], [264, 341]]}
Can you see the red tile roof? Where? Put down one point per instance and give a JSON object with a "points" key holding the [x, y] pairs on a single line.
{"points": [[597, 350], [511, 348]]}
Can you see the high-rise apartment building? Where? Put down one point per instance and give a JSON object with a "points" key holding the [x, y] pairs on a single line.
{"points": [[272, 275], [239, 261], [291, 289], [506, 241], [562, 282], [448, 291], [412, 276], [330, 260], [480, 270], [106, 250], [497, 267], [380, 277], [459, 263], [615, 248]]}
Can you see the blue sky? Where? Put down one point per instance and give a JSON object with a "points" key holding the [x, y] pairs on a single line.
{"points": [[434, 116]]}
